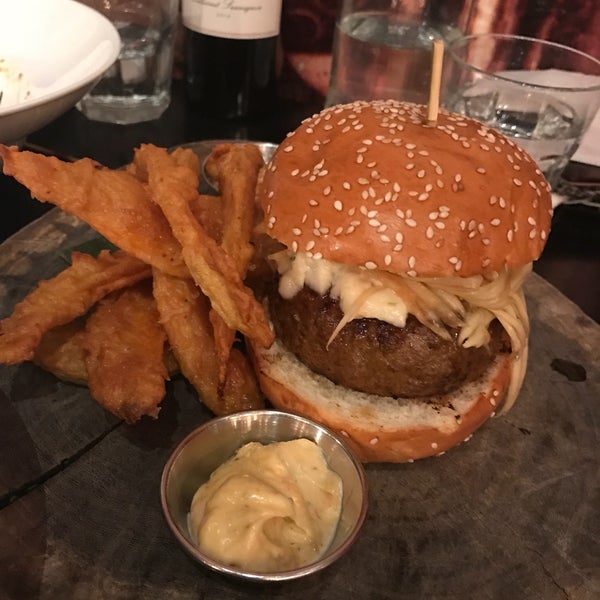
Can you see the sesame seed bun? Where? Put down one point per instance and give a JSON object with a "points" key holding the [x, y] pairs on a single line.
{"points": [[381, 429], [369, 184]]}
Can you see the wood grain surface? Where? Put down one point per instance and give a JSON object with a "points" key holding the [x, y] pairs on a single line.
{"points": [[514, 513]]}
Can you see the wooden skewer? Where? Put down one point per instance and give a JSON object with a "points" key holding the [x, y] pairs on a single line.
{"points": [[435, 83]]}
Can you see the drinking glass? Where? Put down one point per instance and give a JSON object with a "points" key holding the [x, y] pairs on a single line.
{"points": [[382, 48], [541, 94], [138, 86]]}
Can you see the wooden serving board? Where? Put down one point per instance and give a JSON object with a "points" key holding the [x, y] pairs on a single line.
{"points": [[514, 513]]}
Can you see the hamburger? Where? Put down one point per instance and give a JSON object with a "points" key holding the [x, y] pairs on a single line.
{"points": [[397, 303]]}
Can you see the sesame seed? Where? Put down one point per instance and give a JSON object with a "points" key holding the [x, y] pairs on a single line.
{"points": [[411, 222], [495, 222], [421, 174], [517, 182], [387, 259], [338, 205], [412, 261], [288, 148], [297, 231], [295, 172], [310, 245], [370, 265], [327, 191], [429, 233]]}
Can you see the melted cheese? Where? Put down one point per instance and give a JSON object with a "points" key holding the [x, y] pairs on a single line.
{"points": [[466, 303], [270, 508]]}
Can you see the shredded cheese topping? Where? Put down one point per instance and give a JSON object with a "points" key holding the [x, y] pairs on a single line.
{"points": [[466, 303]]}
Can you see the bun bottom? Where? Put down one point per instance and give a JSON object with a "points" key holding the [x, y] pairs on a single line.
{"points": [[377, 428]]}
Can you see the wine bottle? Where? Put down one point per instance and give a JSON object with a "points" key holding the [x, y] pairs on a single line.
{"points": [[230, 55]]}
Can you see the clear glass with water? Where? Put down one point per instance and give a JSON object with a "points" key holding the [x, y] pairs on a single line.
{"points": [[138, 86], [541, 94], [383, 49]]}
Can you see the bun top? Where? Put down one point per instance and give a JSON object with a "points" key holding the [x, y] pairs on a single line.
{"points": [[370, 184]]}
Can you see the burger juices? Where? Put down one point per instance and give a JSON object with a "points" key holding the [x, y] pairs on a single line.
{"points": [[398, 308]]}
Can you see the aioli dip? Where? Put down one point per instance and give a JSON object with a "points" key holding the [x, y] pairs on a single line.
{"points": [[271, 507]]}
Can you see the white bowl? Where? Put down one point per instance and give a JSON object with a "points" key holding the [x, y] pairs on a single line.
{"points": [[61, 48]]}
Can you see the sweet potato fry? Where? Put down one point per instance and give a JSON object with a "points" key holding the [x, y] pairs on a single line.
{"points": [[61, 352], [124, 345], [235, 167], [183, 313], [185, 157], [208, 210], [212, 269], [113, 202], [65, 297], [240, 389]]}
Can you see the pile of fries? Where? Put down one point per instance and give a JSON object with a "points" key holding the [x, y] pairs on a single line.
{"points": [[171, 299]]}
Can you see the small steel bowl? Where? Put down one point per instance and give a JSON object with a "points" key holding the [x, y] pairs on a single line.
{"points": [[211, 444]]}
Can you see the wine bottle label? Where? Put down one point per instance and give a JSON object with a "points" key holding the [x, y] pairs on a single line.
{"points": [[240, 19]]}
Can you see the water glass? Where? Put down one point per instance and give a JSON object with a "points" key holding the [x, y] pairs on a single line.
{"points": [[138, 86], [382, 48], [541, 94]]}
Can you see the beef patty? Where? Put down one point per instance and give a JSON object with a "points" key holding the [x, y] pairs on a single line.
{"points": [[373, 356]]}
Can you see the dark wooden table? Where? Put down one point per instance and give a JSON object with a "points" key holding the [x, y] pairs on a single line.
{"points": [[515, 513]]}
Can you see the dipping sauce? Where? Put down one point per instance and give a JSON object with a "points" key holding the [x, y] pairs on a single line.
{"points": [[269, 508]]}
